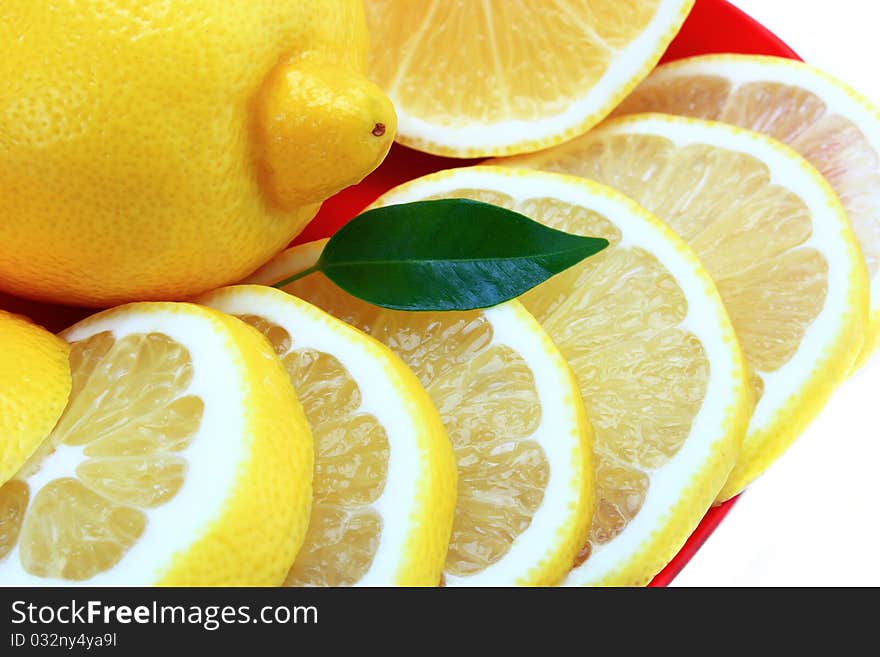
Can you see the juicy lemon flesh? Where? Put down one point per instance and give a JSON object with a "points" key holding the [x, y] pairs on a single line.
{"points": [[351, 465], [130, 416], [615, 317], [442, 61], [748, 232], [793, 115], [488, 402]]}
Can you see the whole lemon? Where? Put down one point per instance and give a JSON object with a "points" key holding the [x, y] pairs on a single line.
{"points": [[155, 149]]}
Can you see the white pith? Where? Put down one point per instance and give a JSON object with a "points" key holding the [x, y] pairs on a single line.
{"points": [[214, 455]]}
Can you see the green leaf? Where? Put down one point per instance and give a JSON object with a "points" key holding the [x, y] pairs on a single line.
{"points": [[449, 254]]}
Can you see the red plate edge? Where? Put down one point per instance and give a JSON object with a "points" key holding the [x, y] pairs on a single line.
{"points": [[714, 26]]}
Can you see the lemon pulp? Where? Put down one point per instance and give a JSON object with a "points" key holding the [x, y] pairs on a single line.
{"points": [[525, 73], [748, 232], [128, 416], [831, 142], [351, 463]]}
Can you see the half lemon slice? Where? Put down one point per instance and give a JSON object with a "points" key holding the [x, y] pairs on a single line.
{"points": [[497, 77], [181, 437], [385, 480]]}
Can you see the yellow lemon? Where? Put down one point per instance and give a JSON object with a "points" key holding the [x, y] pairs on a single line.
{"points": [[34, 385], [183, 458], [154, 150]]}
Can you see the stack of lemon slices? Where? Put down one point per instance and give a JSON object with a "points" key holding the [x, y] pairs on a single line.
{"points": [[655, 363]]}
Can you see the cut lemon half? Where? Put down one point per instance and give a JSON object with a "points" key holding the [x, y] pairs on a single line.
{"points": [[775, 239], [512, 411], [835, 128], [182, 458], [654, 355], [34, 385], [496, 77], [384, 487]]}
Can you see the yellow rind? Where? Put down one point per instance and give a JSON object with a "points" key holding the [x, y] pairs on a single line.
{"points": [[431, 521], [422, 564], [872, 339], [572, 536], [872, 332], [832, 369], [529, 145], [35, 383], [664, 544], [256, 537]]}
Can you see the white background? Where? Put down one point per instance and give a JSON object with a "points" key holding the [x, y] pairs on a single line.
{"points": [[814, 517]]}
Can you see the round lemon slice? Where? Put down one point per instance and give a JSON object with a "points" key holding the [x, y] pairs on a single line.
{"points": [[775, 239], [497, 77], [511, 408], [834, 127], [34, 385], [654, 355], [385, 480], [181, 439]]}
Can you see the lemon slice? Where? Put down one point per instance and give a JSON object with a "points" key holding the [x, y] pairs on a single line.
{"points": [[497, 77], [511, 409], [384, 488], [34, 385], [773, 236], [836, 129], [181, 437], [654, 355]]}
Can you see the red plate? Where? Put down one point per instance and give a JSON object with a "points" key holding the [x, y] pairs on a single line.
{"points": [[714, 26]]}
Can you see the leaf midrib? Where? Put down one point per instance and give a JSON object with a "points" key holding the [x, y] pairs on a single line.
{"points": [[325, 265]]}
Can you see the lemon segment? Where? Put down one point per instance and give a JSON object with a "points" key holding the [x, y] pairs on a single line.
{"points": [[654, 354], [472, 79], [34, 386], [510, 406], [181, 437], [775, 239], [385, 479], [831, 125]]}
